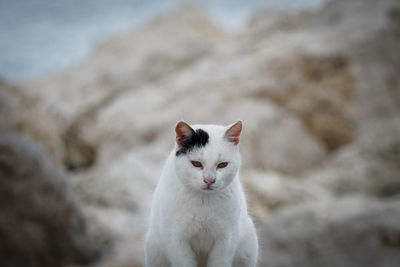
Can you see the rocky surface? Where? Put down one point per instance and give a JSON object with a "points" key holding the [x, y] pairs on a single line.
{"points": [[319, 94], [22, 112], [347, 232], [40, 223]]}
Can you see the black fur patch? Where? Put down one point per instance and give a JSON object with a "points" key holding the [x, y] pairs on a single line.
{"points": [[199, 138]]}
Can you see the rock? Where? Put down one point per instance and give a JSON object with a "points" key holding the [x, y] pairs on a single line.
{"points": [[369, 165], [22, 112], [128, 253], [316, 89], [123, 183], [269, 192], [79, 154], [116, 198], [348, 232], [40, 223], [266, 22]]}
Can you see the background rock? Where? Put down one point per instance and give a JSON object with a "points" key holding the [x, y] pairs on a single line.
{"points": [[22, 112], [270, 192], [348, 232], [40, 224]]}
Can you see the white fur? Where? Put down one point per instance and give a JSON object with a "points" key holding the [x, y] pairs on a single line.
{"points": [[191, 226]]}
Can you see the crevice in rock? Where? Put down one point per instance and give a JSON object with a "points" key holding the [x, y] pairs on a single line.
{"points": [[78, 154], [390, 240]]}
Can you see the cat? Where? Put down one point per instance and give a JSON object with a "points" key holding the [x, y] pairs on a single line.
{"points": [[199, 213]]}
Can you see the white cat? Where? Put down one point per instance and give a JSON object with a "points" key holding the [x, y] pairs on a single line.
{"points": [[199, 214]]}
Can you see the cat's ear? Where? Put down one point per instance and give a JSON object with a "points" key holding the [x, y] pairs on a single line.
{"points": [[233, 133], [183, 132]]}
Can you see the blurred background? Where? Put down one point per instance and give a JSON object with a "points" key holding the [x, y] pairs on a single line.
{"points": [[90, 92]]}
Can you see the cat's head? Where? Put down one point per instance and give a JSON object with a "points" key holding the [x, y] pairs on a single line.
{"points": [[207, 157]]}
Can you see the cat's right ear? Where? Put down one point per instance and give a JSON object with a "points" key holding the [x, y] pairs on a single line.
{"points": [[183, 132], [233, 133]]}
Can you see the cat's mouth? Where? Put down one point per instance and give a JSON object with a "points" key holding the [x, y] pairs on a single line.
{"points": [[208, 188]]}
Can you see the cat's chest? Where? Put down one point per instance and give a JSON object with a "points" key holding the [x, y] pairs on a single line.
{"points": [[205, 219], [202, 241], [204, 212]]}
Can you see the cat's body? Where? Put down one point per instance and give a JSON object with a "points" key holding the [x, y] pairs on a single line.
{"points": [[199, 214]]}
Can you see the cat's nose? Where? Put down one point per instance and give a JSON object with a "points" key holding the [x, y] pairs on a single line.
{"points": [[209, 181]]}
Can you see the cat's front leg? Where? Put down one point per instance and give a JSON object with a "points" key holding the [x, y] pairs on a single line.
{"points": [[222, 254], [180, 253]]}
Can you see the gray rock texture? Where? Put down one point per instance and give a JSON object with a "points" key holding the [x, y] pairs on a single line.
{"points": [[40, 224], [347, 232], [21, 111]]}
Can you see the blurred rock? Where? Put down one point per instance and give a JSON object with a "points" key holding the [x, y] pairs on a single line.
{"points": [[21, 112], [267, 193], [116, 197], [79, 154], [317, 88], [266, 22], [40, 224], [348, 232], [128, 253], [370, 165]]}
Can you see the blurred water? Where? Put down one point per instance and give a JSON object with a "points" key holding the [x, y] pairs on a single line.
{"points": [[41, 36]]}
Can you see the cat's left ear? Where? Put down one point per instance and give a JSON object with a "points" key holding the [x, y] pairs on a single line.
{"points": [[183, 132], [233, 133]]}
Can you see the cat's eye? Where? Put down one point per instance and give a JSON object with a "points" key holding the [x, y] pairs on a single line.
{"points": [[222, 165], [197, 164]]}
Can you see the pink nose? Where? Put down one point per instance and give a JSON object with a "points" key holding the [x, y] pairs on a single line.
{"points": [[209, 181]]}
